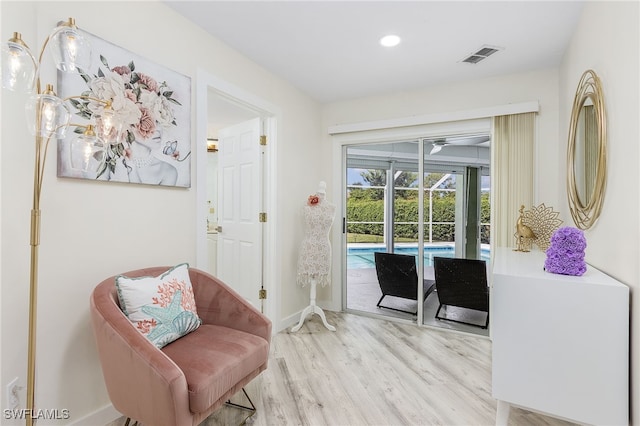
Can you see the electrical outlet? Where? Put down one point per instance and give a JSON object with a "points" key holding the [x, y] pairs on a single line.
{"points": [[13, 398]]}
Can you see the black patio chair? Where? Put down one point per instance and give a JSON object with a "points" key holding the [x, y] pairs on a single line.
{"points": [[398, 277], [462, 283]]}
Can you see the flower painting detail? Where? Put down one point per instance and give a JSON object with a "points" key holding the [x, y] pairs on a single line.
{"points": [[150, 102], [141, 104]]}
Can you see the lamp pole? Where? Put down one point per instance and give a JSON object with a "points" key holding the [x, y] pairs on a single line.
{"points": [[33, 283], [50, 118], [40, 159]]}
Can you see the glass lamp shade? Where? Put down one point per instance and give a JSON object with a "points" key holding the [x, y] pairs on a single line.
{"points": [[70, 49], [87, 153], [108, 128], [18, 67], [47, 115]]}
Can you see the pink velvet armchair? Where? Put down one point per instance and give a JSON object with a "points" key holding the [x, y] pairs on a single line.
{"points": [[185, 381]]}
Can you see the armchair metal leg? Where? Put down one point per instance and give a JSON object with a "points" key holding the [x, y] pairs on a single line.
{"points": [[252, 409]]}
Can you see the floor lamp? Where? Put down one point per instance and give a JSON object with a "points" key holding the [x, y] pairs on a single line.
{"points": [[49, 117]]}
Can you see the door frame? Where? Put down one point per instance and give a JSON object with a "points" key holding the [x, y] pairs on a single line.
{"points": [[271, 116]]}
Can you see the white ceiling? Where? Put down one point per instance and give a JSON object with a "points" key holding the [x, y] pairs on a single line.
{"points": [[330, 50]]}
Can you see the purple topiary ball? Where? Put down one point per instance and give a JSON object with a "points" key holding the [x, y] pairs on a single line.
{"points": [[565, 255]]}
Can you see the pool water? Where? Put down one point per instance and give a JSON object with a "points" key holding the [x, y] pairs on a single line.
{"points": [[363, 257]]}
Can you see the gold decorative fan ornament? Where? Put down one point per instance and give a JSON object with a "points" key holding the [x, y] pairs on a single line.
{"points": [[536, 226]]}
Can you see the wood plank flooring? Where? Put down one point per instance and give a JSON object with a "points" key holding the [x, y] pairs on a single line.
{"points": [[374, 372]]}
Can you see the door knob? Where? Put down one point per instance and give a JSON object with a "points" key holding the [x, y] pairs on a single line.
{"points": [[219, 228]]}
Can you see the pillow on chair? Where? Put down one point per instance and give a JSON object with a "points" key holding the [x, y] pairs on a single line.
{"points": [[162, 308]]}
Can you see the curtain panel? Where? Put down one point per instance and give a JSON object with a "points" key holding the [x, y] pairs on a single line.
{"points": [[512, 169]]}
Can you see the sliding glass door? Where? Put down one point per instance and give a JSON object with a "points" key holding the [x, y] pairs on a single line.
{"points": [[381, 217], [401, 199]]}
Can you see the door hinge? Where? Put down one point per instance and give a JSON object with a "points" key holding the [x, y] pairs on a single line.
{"points": [[262, 294], [262, 217], [263, 140]]}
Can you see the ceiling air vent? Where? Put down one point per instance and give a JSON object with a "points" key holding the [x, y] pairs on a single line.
{"points": [[482, 53]]}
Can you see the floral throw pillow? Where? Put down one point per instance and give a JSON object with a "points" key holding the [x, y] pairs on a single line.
{"points": [[162, 308]]}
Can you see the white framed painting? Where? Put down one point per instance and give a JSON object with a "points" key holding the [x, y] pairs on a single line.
{"points": [[151, 102]]}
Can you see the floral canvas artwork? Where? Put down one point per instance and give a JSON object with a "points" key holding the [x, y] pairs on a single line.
{"points": [[153, 104]]}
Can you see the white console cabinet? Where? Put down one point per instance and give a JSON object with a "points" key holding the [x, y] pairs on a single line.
{"points": [[560, 343]]}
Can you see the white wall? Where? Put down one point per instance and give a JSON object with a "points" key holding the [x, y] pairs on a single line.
{"points": [[91, 230], [607, 41]]}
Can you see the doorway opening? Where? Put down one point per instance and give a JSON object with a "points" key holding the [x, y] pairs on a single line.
{"points": [[397, 203], [225, 112]]}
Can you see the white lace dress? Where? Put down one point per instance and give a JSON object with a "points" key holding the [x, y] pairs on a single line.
{"points": [[314, 259]]}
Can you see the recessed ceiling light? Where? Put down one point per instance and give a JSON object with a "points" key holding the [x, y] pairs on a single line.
{"points": [[390, 40]]}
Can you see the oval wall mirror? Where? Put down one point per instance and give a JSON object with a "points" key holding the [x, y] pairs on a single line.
{"points": [[587, 152]]}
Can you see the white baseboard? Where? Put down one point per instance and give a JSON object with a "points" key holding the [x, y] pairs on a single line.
{"points": [[101, 417], [292, 320]]}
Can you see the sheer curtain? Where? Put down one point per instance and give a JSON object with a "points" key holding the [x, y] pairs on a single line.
{"points": [[512, 169]]}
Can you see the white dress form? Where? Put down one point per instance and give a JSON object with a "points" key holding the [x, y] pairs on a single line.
{"points": [[314, 260]]}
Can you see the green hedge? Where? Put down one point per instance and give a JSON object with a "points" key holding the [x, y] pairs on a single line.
{"points": [[444, 208]]}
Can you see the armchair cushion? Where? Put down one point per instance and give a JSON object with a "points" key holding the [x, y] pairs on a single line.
{"points": [[214, 358], [162, 308]]}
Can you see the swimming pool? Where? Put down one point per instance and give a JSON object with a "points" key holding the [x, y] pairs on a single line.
{"points": [[362, 257]]}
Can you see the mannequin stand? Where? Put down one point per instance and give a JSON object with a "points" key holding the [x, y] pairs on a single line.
{"points": [[312, 309]]}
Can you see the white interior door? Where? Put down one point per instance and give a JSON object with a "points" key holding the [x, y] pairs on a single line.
{"points": [[239, 202]]}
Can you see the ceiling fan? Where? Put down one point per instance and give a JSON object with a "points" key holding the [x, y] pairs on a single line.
{"points": [[438, 144]]}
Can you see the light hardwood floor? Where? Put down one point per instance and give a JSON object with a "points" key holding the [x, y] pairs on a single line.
{"points": [[374, 372]]}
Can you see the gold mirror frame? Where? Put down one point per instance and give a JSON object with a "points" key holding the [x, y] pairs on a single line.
{"points": [[585, 212]]}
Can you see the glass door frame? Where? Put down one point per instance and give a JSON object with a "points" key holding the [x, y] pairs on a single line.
{"points": [[343, 141], [418, 165]]}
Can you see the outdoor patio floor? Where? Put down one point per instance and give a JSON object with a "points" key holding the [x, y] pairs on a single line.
{"points": [[363, 292]]}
